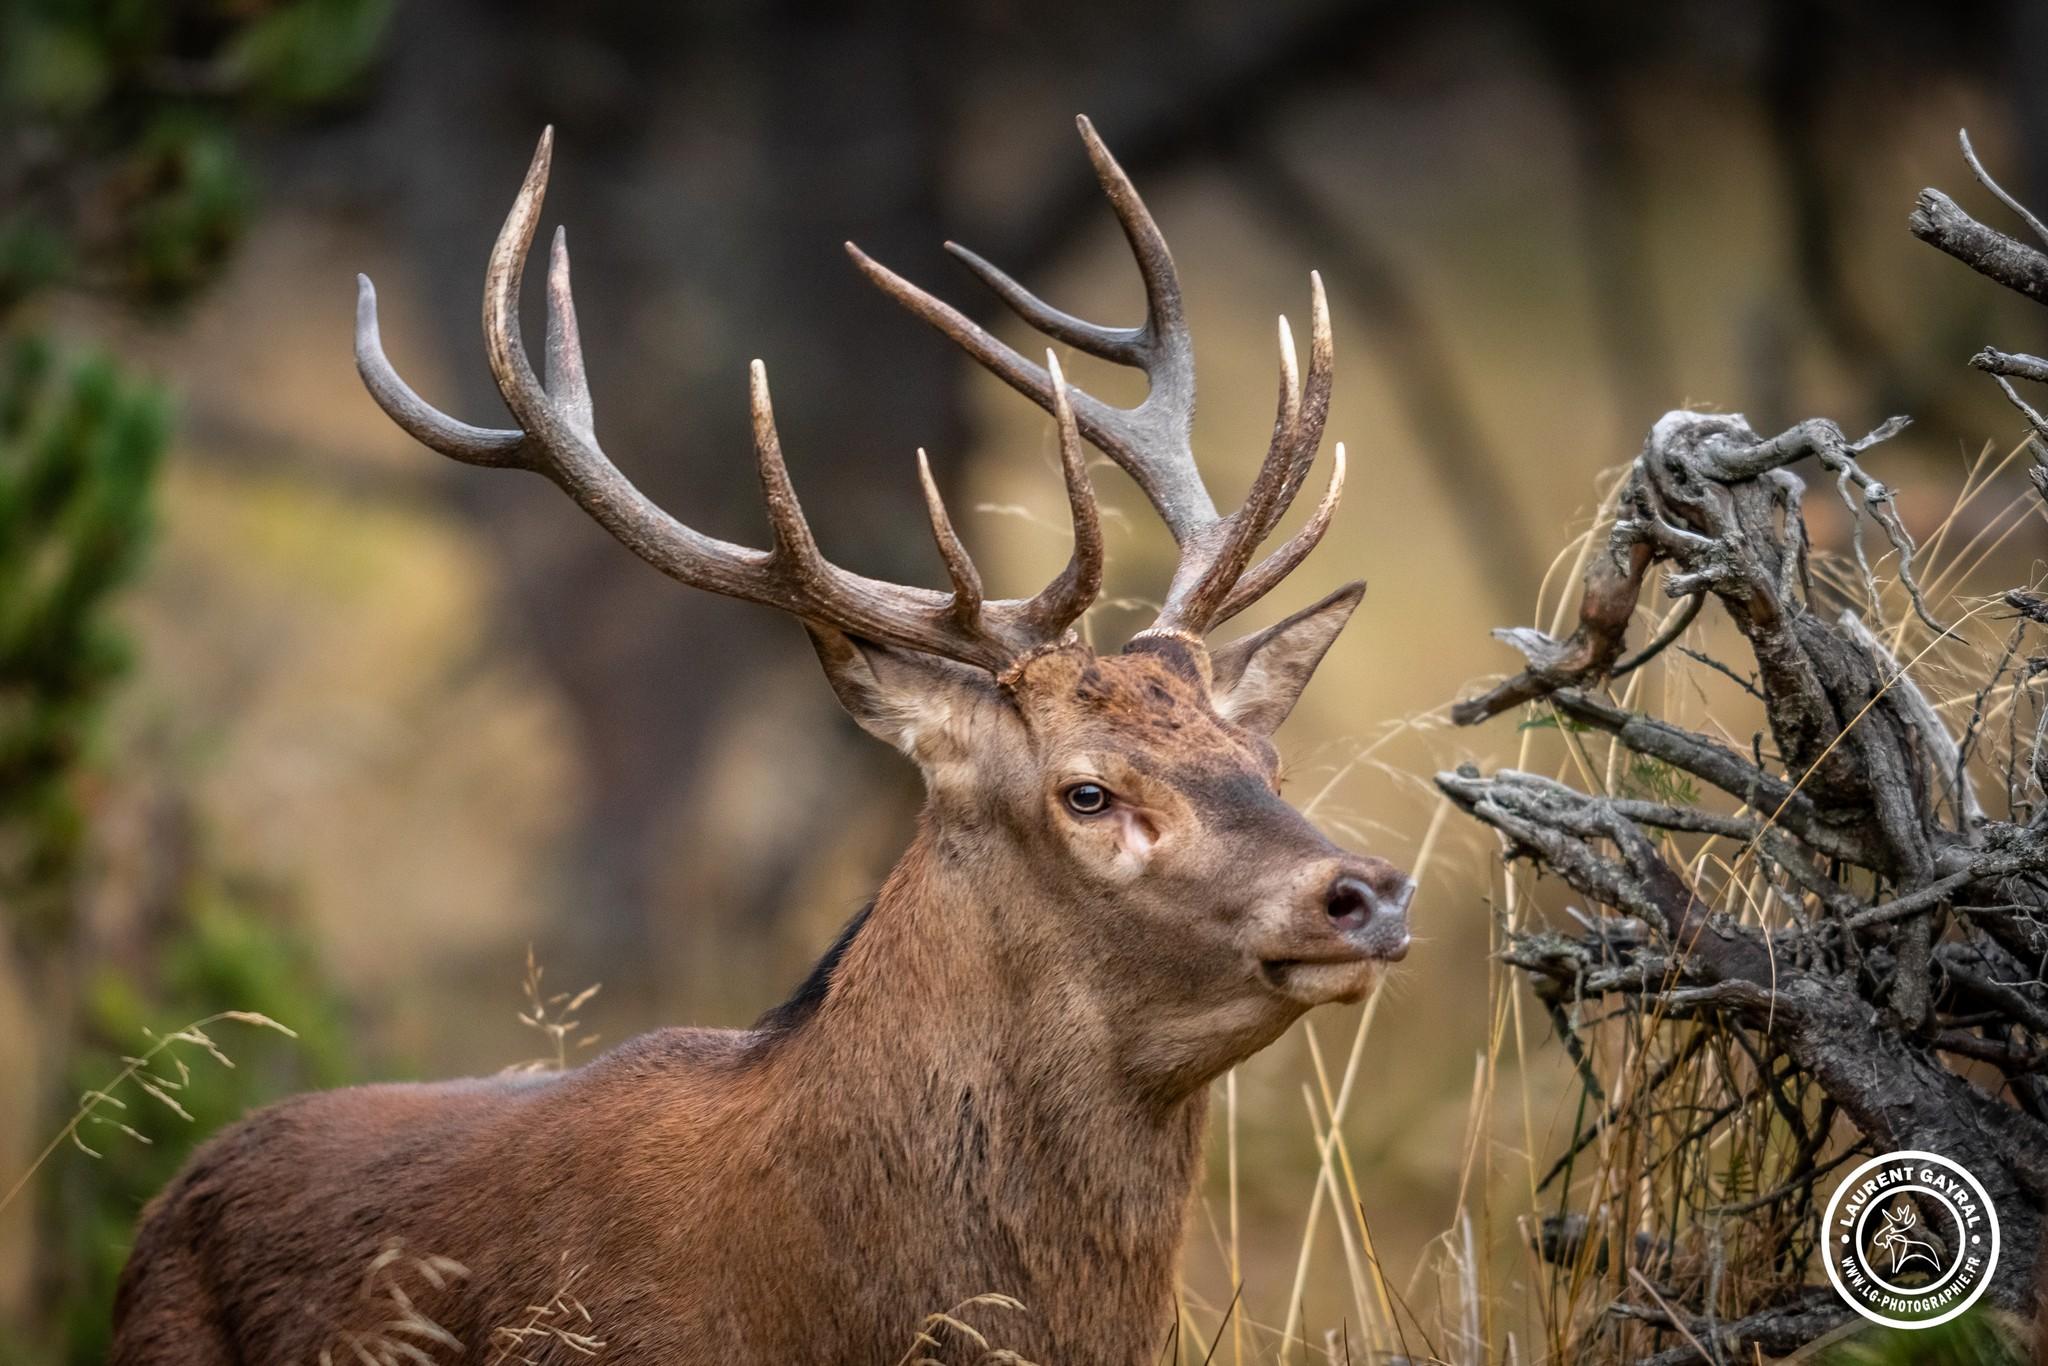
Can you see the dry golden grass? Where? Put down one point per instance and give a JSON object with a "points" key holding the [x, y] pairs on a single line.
{"points": [[158, 1073], [405, 1335], [560, 1320], [927, 1339], [553, 1015]]}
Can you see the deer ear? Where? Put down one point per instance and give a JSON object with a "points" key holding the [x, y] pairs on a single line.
{"points": [[916, 702], [1258, 678]]}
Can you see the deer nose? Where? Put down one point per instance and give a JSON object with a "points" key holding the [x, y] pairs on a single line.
{"points": [[1372, 911]]}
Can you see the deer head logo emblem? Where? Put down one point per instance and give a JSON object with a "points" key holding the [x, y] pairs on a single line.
{"points": [[1894, 1236]]}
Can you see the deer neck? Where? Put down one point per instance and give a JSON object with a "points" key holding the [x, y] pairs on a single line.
{"points": [[998, 1082]]}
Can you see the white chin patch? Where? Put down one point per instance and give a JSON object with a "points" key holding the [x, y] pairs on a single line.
{"points": [[1317, 984]]}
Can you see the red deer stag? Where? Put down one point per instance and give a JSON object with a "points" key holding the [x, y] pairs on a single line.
{"points": [[996, 1080]]}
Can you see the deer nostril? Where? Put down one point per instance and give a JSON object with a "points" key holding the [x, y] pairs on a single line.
{"points": [[1372, 913], [1350, 903]]}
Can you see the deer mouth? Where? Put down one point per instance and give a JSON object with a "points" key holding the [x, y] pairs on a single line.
{"points": [[1323, 980]]}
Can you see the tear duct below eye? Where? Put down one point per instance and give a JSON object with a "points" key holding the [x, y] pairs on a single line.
{"points": [[1135, 833]]}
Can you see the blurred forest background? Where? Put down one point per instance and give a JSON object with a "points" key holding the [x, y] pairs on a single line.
{"points": [[298, 718]]}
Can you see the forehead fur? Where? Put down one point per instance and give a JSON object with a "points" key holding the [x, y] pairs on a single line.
{"points": [[1154, 696]]}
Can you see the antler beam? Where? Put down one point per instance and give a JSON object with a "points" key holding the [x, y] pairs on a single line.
{"points": [[556, 437]]}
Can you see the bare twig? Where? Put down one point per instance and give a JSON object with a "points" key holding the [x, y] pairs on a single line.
{"points": [[1938, 221]]}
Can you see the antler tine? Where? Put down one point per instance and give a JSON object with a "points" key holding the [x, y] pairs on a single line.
{"points": [[566, 381], [959, 564], [556, 438], [1211, 562], [1122, 345], [424, 423], [504, 348], [1060, 603], [796, 549], [1311, 415], [1263, 577], [1207, 592], [1167, 336], [1315, 400]]}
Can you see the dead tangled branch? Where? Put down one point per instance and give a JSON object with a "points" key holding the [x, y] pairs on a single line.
{"points": [[1856, 957]]}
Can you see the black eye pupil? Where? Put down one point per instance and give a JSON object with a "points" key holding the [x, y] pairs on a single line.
{"points": [[1087, 798]]}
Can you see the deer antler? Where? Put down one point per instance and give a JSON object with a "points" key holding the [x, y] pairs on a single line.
{"points": [[1151, 442], [555, 437]]}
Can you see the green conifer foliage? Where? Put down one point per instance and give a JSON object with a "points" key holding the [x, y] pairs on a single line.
{"points": [[79, 451]]}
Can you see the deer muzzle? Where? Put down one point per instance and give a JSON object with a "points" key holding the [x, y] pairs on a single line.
{"points": [[1342, 934]]}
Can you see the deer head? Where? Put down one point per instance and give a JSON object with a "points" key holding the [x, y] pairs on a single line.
{"points": [[1123, 807], [1898, 1222]]}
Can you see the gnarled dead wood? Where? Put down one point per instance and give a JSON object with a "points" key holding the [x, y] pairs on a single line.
{"points": [[1895, 973]]}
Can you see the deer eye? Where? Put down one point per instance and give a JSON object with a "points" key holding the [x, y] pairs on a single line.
{"points": [[1086, 799]]}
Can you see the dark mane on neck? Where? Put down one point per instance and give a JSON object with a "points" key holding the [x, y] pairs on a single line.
{"points": [[810, 993]]}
